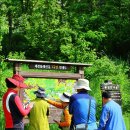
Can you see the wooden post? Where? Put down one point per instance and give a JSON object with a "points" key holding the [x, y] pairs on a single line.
{"points": [[16, 68], [80, 70]]}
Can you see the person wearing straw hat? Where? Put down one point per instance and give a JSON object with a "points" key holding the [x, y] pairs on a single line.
{"points": [[65, 121], [38, 117], [12, 105], [82, 107]]}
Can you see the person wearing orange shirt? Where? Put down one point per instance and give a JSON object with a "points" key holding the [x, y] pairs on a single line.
{"points": [[65, 121]]}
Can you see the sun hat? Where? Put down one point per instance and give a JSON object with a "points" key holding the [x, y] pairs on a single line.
{"points": [[17, 80], [40, 93], [82, 84], [65, 97]]}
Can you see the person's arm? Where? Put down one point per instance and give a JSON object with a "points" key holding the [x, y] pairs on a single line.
{"points": [[47, 113], [103, 119], [54, 103], [71, 105], [20, 107], [67, 119]]}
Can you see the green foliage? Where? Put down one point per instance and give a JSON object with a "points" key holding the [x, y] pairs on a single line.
{"points": [[44, 27], [6, 69], [6, 73], [54, 127], [4, 27], [16, 55], [1, 117], [3, 24], [3, 21]]}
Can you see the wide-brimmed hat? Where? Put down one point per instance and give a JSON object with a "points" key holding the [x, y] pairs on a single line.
{"points": [[17, 80], [82, 84], [65, 97], [40, 93]]}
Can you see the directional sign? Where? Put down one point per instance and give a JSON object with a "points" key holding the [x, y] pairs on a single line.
{"points": [[114, 90]]}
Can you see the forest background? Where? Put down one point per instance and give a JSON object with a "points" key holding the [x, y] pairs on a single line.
{"points": [[83, 31]]}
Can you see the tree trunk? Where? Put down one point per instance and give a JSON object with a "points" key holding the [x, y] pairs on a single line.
{"points": [[10, 29]]}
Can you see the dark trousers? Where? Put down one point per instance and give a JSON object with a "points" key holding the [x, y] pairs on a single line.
{"points": [[14, 128]]}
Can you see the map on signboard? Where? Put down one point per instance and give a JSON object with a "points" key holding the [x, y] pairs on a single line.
{"points": [[53, 87]]}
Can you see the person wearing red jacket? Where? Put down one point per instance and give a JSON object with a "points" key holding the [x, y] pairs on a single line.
{"points": [[12, 105]]}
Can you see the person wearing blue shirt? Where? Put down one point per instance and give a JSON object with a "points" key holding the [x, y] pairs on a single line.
{"points": [[111, 117], [82, 107]]}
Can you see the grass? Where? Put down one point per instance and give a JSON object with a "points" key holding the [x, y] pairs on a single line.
{"points": [[127, 121]]}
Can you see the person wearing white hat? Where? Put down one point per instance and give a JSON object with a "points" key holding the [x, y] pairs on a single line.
{"points": [[82, 106], [82, 84], [65, 121]]}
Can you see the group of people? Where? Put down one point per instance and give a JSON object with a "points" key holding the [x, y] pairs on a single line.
{"points": [[79, 109]]}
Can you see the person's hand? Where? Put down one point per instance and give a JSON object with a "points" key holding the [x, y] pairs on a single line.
{"points": [[31, 104], [56, 122], [45, 99], [29, 85]]}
